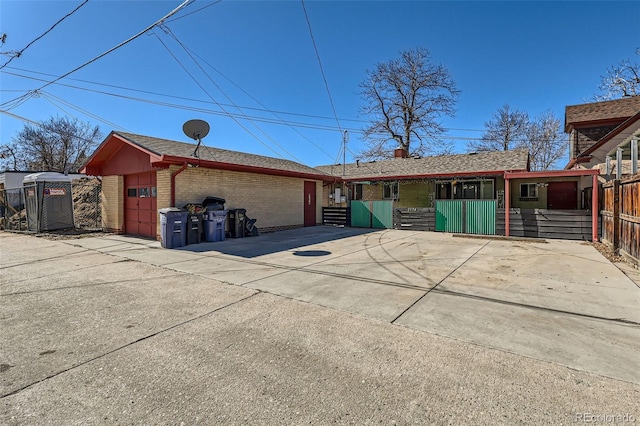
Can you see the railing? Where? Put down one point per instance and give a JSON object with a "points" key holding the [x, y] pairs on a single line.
{"points": [[337, 216]]}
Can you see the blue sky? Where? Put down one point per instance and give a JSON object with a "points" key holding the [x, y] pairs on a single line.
{"points": [[534, 56]]}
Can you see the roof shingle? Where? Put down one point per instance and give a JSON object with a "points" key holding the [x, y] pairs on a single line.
{"points": [[607, 110], [181, 149], [445, 165]]}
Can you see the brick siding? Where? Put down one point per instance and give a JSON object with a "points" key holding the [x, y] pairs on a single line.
{"points": [[113, 203]]}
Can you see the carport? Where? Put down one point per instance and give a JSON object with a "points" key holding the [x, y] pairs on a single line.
{"points": [[543, 179]]}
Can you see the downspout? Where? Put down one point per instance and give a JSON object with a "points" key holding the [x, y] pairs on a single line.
{"points": [[594, 209], [507, 203], [173, 183]]}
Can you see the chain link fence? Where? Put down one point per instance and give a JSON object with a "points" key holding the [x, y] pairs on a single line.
{"points": [[87, 208]]}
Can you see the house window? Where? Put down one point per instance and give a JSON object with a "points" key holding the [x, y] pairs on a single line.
{"points": [[465, 190], [390, 191], [132, 192], [528, 191]]}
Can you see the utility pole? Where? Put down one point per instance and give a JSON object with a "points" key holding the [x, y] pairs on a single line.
{"points": [[345, 139]]}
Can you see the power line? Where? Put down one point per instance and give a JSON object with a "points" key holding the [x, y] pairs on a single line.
{"points": [[174, 11], [172, 35], [264, 106], [19, 53], [324, 78], [213, 99], [264, 109], [195, 11]]}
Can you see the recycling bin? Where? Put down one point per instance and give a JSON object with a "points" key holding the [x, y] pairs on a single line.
{"points": [[194, 228], [237, 219], [173, 227], [214, 224]]}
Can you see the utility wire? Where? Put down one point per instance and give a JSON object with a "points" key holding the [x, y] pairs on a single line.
{"points": [[39, 124], [19, 53], [264, 109], [324, 78], [262, 105], [213, 99], [51, 97], [293, 124], [170, 33], [173, 12], [195, 11]]}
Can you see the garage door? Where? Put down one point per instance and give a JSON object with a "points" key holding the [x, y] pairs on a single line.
{"points": [[140, 207]]}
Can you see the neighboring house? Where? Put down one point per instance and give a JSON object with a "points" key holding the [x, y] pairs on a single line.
{"points": [[141, 174], [425, 194], [597, 129], [418, 182]]}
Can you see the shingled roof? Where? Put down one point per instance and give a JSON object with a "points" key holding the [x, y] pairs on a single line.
{"points": [[599, 111], [442, 165], [166, 147]]}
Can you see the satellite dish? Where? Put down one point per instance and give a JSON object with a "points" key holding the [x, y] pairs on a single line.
{"points": [[196, 129]]}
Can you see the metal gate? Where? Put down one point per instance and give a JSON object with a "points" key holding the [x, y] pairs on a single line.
{"points": [[372, 214], [466, 216]]}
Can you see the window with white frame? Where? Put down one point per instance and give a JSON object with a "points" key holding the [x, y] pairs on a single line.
{"points": [[390, 191], [528, 191]]}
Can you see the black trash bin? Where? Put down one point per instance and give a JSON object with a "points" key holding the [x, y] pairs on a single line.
{"points": [[213, 203], [237, 219], [214, 222], [194, 228], [173, 227]]}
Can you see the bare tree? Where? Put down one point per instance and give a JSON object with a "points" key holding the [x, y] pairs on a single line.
{"points": [[621, 81], [506, 130], [545, 141], [59, 144], [405, 98]]}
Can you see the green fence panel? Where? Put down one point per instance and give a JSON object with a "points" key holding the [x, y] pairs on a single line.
{"points": [[382, 214], [480, 217], [449, 216], [361, 214]]}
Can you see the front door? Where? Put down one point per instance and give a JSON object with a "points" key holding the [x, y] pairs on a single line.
{"points": [[309, 203], [140, 211], [562, 195]]}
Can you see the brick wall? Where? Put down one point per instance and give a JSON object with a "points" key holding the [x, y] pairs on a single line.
{"points": [[113, 203], [275, 201]]}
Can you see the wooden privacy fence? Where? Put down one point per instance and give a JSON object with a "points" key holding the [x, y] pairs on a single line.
{"points": [[415, 218], [621, 216], [542, 223]]}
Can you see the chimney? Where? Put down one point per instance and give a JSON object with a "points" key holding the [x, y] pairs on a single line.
{"points": [[400, 153]]}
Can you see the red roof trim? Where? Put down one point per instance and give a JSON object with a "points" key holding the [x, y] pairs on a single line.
{"points": [[167, 160], [551, 173], [429, 175]]}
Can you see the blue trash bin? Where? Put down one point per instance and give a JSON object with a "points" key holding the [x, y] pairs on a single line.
{"points": [[173, 227], [214, 224]]}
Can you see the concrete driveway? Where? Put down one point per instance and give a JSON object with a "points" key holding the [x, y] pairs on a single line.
{"points": [[97, 328]]}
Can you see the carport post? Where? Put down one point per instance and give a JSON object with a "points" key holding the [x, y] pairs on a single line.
{"points": [[507, 204], [594, 210]]}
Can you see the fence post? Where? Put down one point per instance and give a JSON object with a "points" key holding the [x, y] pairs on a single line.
{"points": [[616, 214]]}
